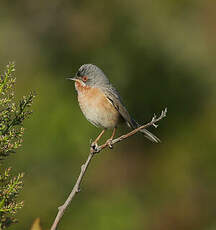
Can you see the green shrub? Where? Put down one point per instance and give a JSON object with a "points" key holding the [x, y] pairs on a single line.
{"points": [[12, 115]]}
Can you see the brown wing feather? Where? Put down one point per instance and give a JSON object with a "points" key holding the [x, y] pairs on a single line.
{"points": [[114, 97]]}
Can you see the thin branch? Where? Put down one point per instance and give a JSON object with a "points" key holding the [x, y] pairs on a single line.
{"points": [[92, 152], [75, 190]]}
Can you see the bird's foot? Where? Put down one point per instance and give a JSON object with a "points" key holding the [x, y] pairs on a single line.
{"points": [[109, 143], [94, 147]]}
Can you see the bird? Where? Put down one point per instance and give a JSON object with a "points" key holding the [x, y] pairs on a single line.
{"points": [[101, 103]]}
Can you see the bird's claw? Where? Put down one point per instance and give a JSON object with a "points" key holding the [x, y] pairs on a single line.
{"points": [[109, 143], [94, 147]]}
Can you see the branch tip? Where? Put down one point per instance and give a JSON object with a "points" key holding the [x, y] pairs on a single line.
{"points": [[155, 125]]}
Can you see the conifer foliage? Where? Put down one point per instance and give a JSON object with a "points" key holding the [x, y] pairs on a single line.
{"points": [[12, 115]]}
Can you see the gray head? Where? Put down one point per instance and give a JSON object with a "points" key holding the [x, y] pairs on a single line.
{"points": [[91, 75]]}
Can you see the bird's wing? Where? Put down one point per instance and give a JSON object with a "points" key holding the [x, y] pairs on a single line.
{"points": [[114, 97]]}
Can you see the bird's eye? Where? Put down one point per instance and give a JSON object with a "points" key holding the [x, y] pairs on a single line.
{"points": [[85, 78]]}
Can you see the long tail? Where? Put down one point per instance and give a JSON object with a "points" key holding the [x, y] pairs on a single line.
{"points": [[149, 135]]}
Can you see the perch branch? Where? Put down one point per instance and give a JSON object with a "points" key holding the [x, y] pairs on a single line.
{"points": [[92, 152]]}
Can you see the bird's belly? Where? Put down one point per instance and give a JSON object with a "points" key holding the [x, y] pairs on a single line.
{"points": [[98, 109]]}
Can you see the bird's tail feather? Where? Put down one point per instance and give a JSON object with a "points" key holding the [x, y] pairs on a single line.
{"points": [[149, 135]]}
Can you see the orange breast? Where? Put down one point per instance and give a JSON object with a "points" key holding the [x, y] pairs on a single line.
{"points": [[81, 88], [96, 107]]}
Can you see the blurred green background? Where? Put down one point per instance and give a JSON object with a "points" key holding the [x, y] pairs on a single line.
{"points": [[157, 54]]}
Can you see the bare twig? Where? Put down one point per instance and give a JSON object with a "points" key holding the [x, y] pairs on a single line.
{"points": [[93, 151]]}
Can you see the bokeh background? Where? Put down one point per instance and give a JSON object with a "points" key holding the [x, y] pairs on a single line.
{"points": [[157, 54]]}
